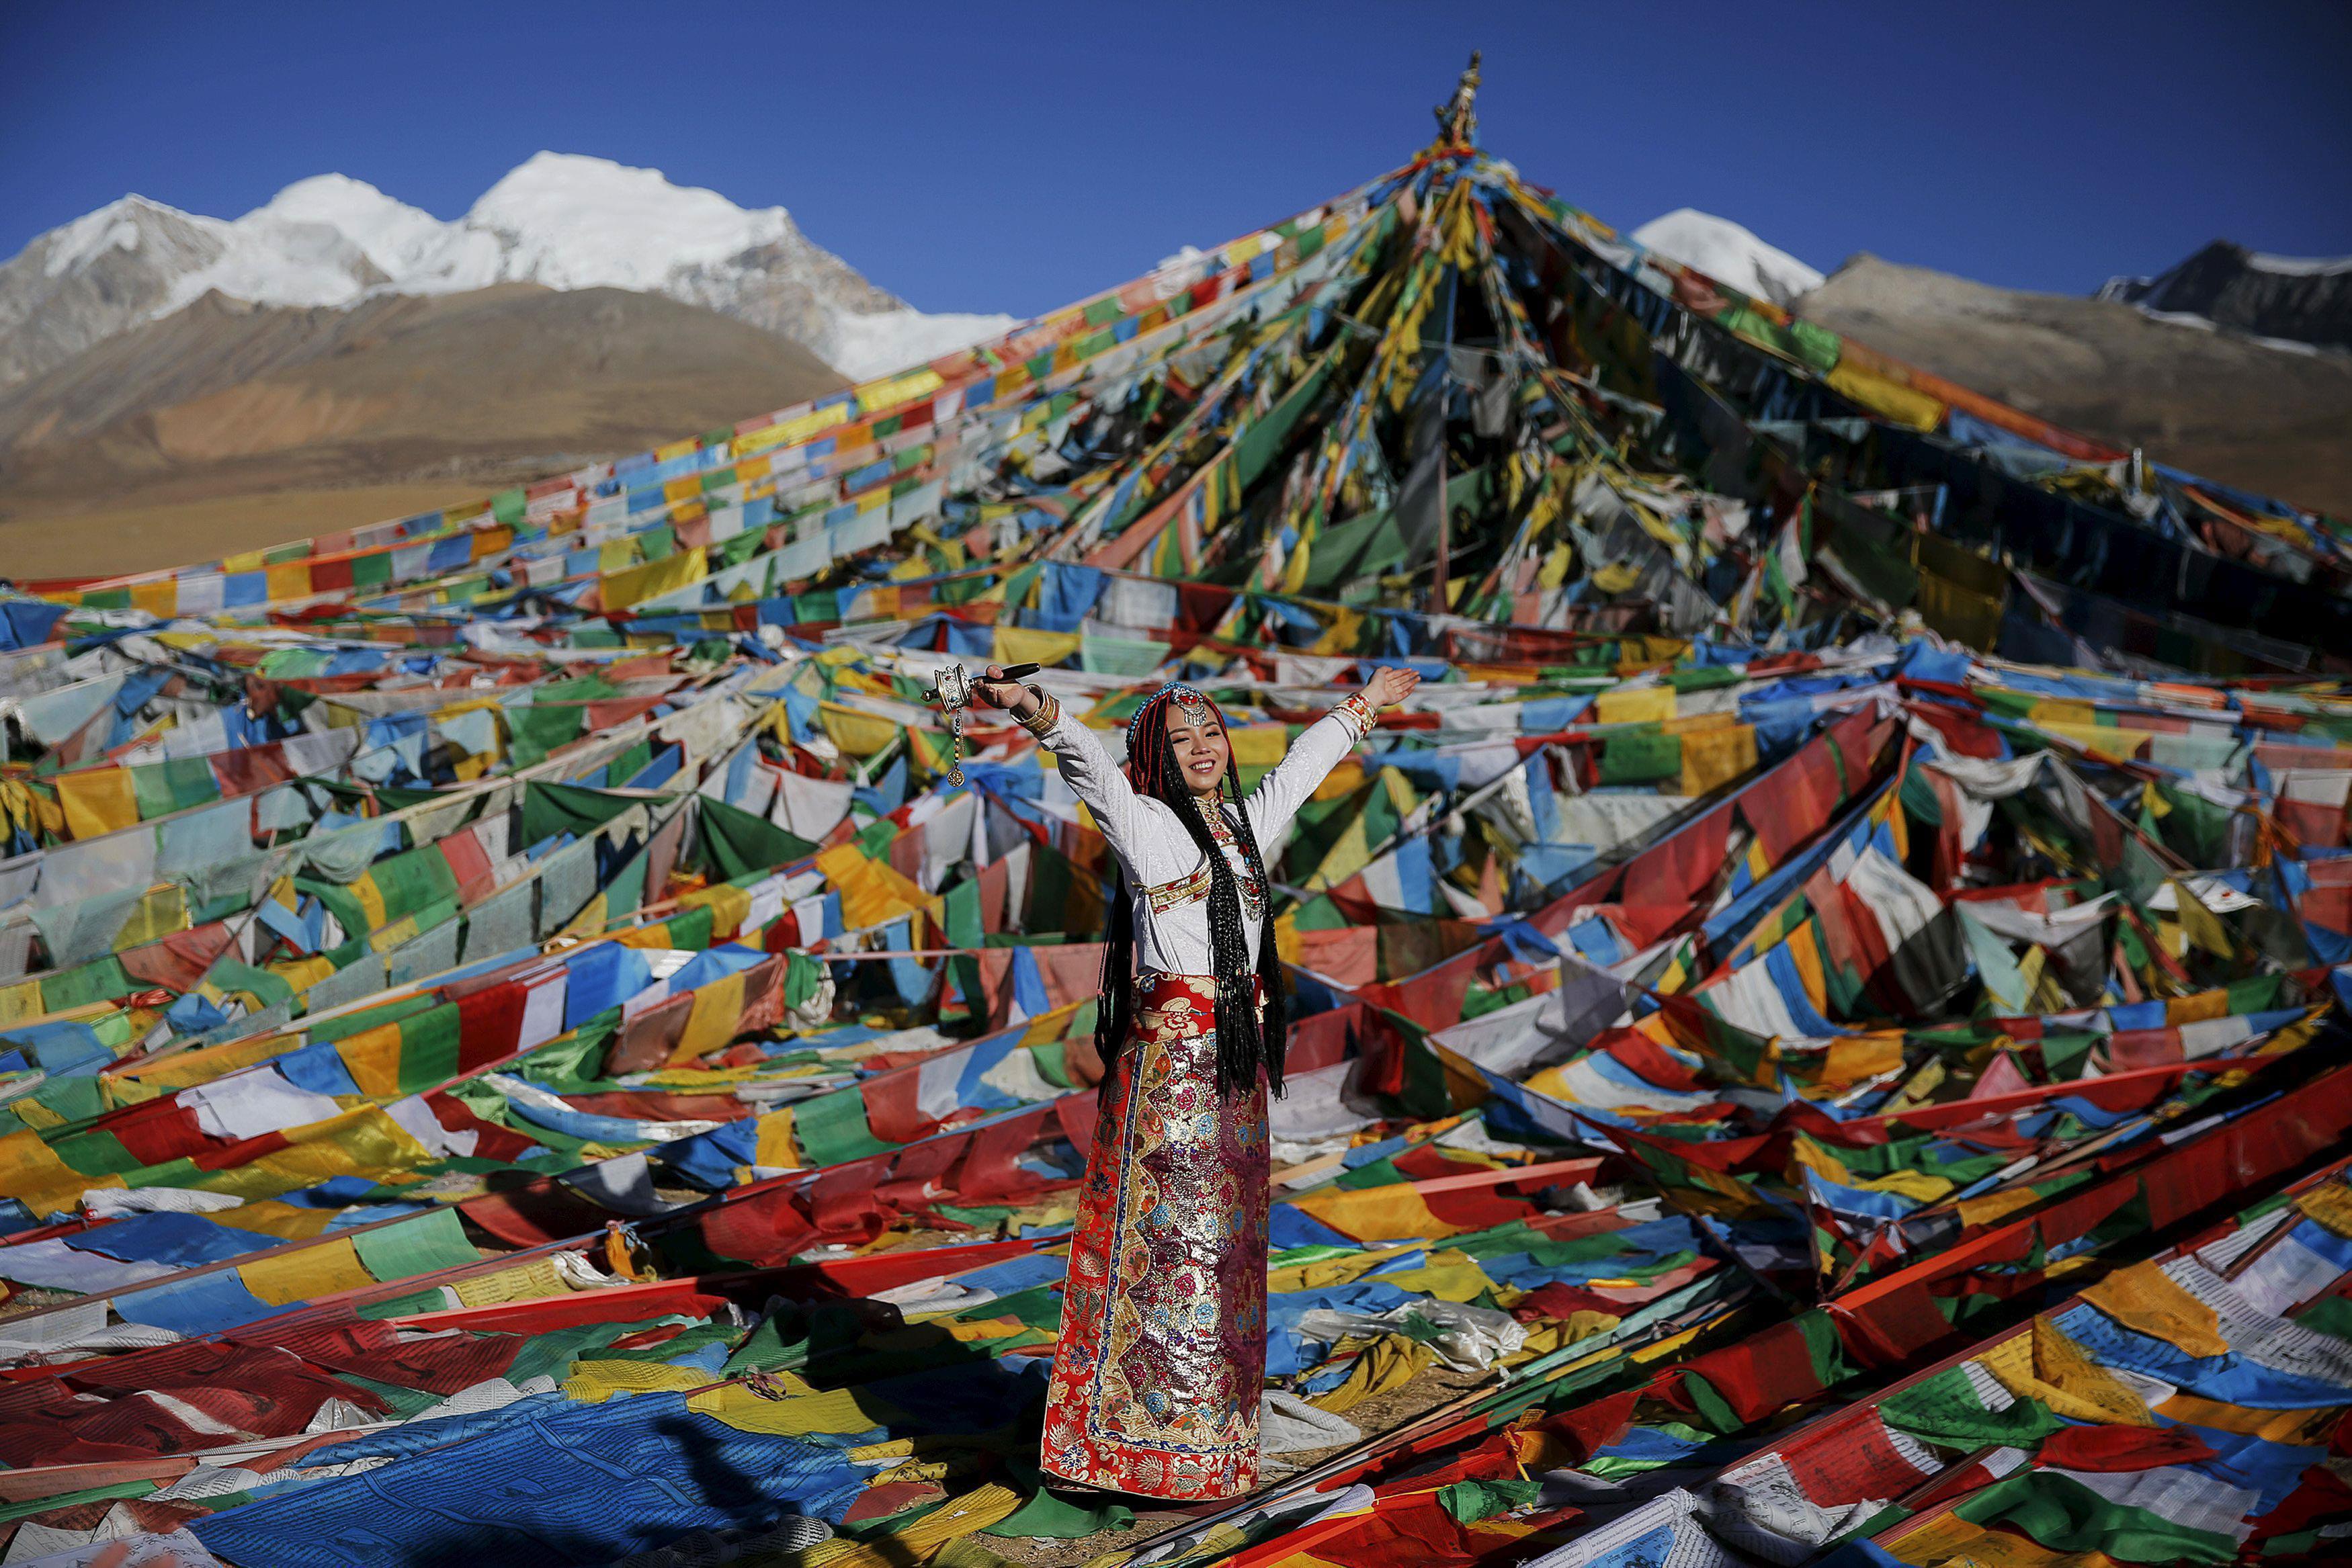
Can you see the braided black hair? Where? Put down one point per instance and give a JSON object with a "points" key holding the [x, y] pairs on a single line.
{"points": [[1250, 1038]]}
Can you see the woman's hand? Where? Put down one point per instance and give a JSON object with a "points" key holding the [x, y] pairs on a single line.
{"points": [[1390, 686], [990, 686]]}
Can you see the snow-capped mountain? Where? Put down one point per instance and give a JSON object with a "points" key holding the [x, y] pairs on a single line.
{"points": [[558, 220], [1728, 254]]}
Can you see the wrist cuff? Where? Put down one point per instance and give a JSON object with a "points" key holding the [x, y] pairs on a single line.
{"points": [[1048, 715], [1358, 714]]}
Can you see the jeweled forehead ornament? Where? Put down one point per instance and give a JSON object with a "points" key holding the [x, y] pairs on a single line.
{"points": [[1191, 707]]}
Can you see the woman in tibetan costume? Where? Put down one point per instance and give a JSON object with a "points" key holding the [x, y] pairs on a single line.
{"points": [[1157, 1380]]}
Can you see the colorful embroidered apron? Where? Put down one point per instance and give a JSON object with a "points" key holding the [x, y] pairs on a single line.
{"points": [[1161, 1363]]}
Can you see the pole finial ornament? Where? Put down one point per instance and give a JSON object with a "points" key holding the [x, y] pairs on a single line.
{"points": [[1457, 118]]}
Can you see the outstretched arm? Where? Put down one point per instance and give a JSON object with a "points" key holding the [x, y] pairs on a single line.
{"points": [[1320, 748], [1086, 767]]}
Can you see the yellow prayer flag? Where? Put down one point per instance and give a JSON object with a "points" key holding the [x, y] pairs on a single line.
{"points": [[1615, 577], [1947, 1539], [856, 732], [31, 1172], [286, 1221], [1392, 1210], [1641, 704], [876, 396], [1713, 758], [530, 1281], [656, 578], [1878, 394], [2307, 1429], [1389, 1362], [1347, 628], [1807, 954], [1446, 1276], [307, 1273], [1023, 645], [804, 1410], [292, 581], [872, 891], [2202, 926], [792, 432], [1853, 1057], [148, 1080], [2043, 1362], [2145, 1298], [593, 1382], [372, 1056], [365, 1140], [729, 906], [710, 1023], [1341, 781], [98, 800], [2329, 1204], [2101, 740], [2197, 1007], [162, 912], [300, 974], [775, 1147], [1258, 745], [1977, 1212]]}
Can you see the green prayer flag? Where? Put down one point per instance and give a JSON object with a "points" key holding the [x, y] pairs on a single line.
{"points": [[832, 1128], [1048, 1517], [2065, 1515], [1641, 757], [736, 843], [1945, 1409], [551, 808], [433, 1239]]}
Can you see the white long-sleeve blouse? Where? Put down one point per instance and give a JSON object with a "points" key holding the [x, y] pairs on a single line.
{"points": [[1164, 866]]}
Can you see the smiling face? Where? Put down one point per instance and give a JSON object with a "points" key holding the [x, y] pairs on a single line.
{"points": [[1203, 752]]}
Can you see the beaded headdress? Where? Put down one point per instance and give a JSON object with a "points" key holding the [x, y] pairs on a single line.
{"points": [[1188, 701], [1191, 705]]}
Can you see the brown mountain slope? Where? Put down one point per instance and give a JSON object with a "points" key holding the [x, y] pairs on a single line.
{"points": [[227, 425], [2268, 420]]}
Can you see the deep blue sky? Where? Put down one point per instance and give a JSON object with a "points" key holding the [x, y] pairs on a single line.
{"points": [[1011, 156]]}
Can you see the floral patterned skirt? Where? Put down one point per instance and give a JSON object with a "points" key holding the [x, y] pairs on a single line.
{"points": [[1161, 1363]]}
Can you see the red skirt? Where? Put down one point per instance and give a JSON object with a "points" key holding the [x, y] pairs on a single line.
{"points": [[1161, 1363]]}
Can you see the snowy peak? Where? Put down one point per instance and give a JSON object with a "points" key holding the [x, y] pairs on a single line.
{"points": [[119, 226], [570, 222], [1729, 254], [558, 220], [84, 281], [392, 235]]}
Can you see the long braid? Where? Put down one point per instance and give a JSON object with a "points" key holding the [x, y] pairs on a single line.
{"points": [[1240, 1049], [1115, 993], [1115, 997], [1272, 982], [1248, 1042]]}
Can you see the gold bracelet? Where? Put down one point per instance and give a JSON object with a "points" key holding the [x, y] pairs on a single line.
{"points": [[1357, 713], [1049, 714]]}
